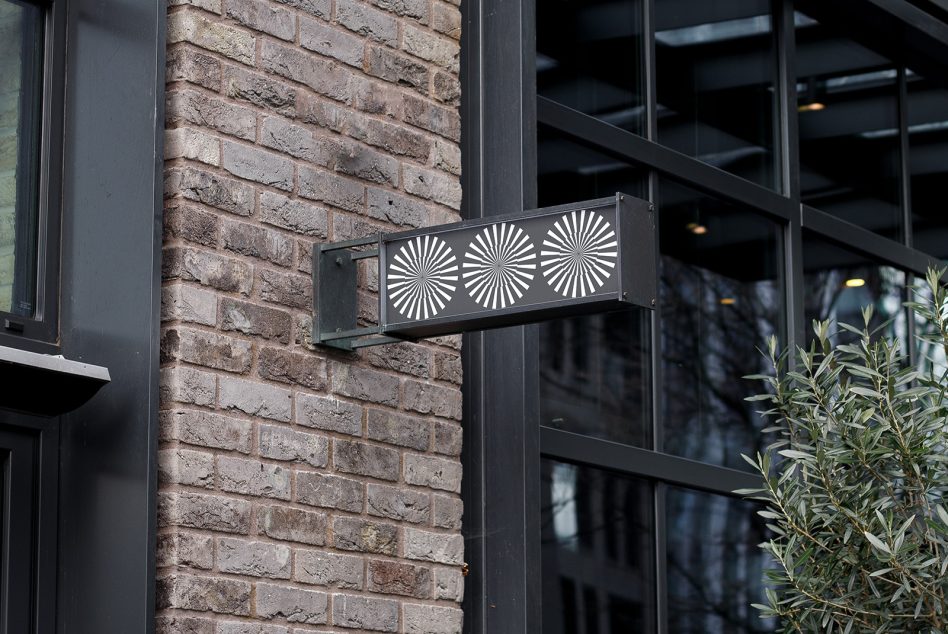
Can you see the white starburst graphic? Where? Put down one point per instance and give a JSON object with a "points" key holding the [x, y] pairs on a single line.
{"points": [[498, 265], [422, 277], [580, 254]]}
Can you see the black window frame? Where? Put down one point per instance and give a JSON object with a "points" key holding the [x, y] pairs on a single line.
{"points": [[503, 440], [40, 333]]}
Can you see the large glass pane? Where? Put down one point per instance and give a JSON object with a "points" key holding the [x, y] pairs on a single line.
{"points": [[848, 122], [715, 569], [720, 299], [20, 60], [597, 548], [715, 76], [839, 283], [928, 162], [589, 57]]}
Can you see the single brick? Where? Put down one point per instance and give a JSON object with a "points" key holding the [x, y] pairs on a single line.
{"points": [[262, 16], [433, 185], [186, 385], [434, 118], [390, 138], [329, 491], [217, 191], [186, 466], [279, 134], [257, 242], [349, 226], [446, 19], [324, 39], [398, 210], [354, 533], [328, 413], [431, 619], [260, 90], [190, 26], [252, 477], [190, 304], [187, 64], [365, 613], [257, 165], [192, 144], [447, 89], [206, 429], [255, 559], [295, 525], [251, 319], [398, 429], [355, 159], [447, 366], [417, 9], [197, 108], [396, 68], [186, 550], [390, 577], [437, 473], [448, 438], [407, 358], [377, 97], [362, 458], [322, 75], [204, 594], [256, 399], [293, 215], [329, 569], [292, 604], [397, 504], [210, 269], [364, 20], [209, 349], [363, 384], [442, 548], [277, 364], [176, 624], [432, 399], [449, 584], [192, 224], [330, 189], [282, 443], [295, 291], [319, 8], [442, 51], [446, 511], [234, 627], [324, 113]]}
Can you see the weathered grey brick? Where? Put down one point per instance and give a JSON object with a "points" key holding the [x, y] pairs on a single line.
{"points": [[295, 525], [295, 291], [436, 49], [350, 226], [187, 64], [398, 504], [427, 398], [235, 627], [431, 619], [434, 118], [328, 413], [210, 269], [294, 215], [257, 242], [394, 139], [366, 613], [200, 109], [448, 438], [256, 559], [449, 584], [433, 185], [175, 624], [324, 76], [217, 191], [350, 456], [186, 303], [186, 550], [262, 16], [429, 471], [417, 9], [329, 569], [190, 26], [256, 399], [447, 89], [407, 358], [390, 577], [376, 97], [324, 113], [399, 210], [362, 162], [396, 68], [442, 548], [446, 19], [448, 367], [319, 8], [252, 477], [282, 443], [251, 319], [277, 364], [292, 604], [204, 594], [330, 189], [354, 533], [324, 39], [209, 512], [186, 466], [364, 20], [187, 385], [209, 349], [258, 165], [329, 491], [260, 90], [192, 144], [286, 137], [446, 512], [206, 429], [190, 223], [363, 384], [398, 429]]}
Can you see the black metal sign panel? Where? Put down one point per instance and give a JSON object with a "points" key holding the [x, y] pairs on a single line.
{"points": [[586, 257]]}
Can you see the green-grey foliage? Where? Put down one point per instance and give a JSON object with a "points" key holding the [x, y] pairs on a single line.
{"points": [[856, 498]]}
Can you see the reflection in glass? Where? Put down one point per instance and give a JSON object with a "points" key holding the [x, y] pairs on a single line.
{"points": [[848, 122], [20, 62], [715, 77], [839, 283], [715, 569], [589, 57], [932, 359], [928, 162], [597, 536], [720, 299]]}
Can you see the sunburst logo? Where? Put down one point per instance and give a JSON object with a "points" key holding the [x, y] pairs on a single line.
{"points": [[499, 265], [579, 254], [422, 277]]}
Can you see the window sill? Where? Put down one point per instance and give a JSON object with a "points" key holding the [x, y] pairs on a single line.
{"points": [[46, 384]]}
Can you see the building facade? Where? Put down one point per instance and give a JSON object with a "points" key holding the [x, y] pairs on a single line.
{"points": [[177, 455]]}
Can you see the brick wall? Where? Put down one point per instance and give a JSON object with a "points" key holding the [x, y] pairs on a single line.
{"points": [[303, 490]]}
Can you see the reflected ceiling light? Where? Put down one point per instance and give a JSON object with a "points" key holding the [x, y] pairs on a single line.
{"points": [[727, 301], [855, 282], [815, 106], [696, 228]]}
